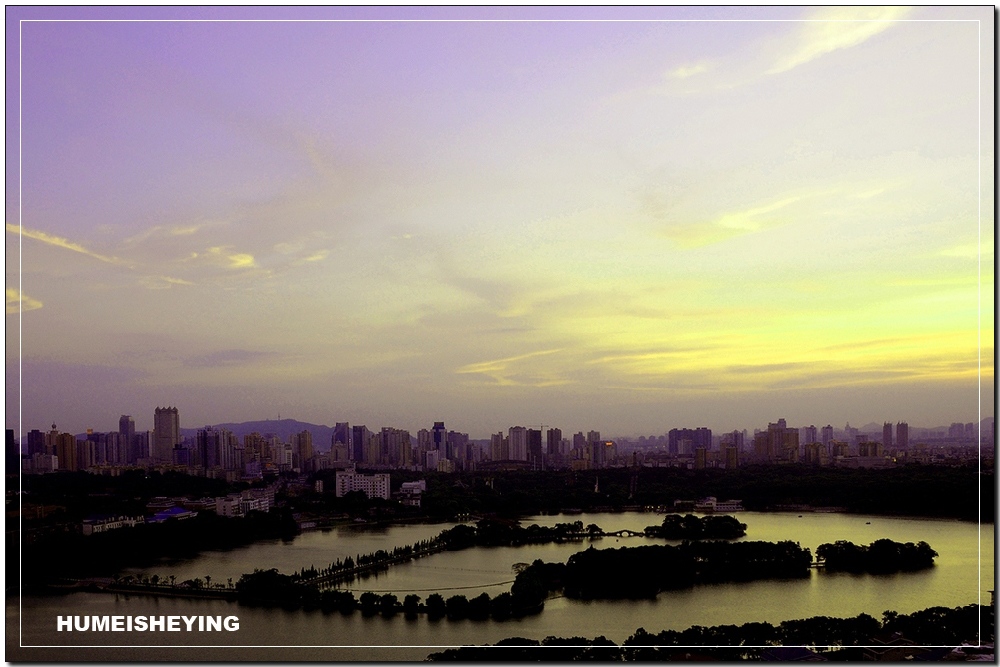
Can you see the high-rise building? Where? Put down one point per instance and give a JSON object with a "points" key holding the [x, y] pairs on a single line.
{"points": [[902, 435], [36, 442], [167, 426], [206, 453], [66, 451], [732, 456], [439, 438], [553, 442], [827, 435], [886, 436], [359, 440], [778, 443], [342, 434], [700, 456], [696, 437], [126, 433], [499, 447], [596, 446], [518, 437], [534, 437], [302, 449]]}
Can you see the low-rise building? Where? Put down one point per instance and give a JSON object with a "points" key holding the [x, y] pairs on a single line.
{"points": [[409, 492], [102, 524], [175, 512], [374, 486]]}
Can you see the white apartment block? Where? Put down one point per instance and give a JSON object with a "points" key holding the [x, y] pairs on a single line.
{"points": [[374, 486]]}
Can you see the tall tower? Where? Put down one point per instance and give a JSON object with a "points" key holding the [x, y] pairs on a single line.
{"points": [[302, 448], [440, 438], [126, 434], [342, 434], [902, 435], [518, 437], [359, 440], [886, 436], [167, 427], [553, 442], [534, 442]]}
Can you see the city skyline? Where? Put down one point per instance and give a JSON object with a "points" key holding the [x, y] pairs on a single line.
{"points": [[700, 217], [175, 427]]}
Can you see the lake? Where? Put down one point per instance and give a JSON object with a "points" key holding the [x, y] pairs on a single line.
{"points": [[961, 575]]}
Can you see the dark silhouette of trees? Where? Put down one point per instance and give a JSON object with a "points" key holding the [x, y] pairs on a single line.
{"points": [[880, 557], [690, 527], [388, 605], [457, 607], [936, 626], [411, 605], [436, 606]]}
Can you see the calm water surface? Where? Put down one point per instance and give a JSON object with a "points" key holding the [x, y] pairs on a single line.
{"points": [[964, 570]]}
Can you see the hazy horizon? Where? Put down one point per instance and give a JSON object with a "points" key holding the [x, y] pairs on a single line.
{"points": [[501, 216]]}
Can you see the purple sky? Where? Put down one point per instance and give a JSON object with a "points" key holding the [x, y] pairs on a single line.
{"points": [[499, 216]]}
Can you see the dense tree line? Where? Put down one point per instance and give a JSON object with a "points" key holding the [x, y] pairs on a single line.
{"points": [[912, 490], [935, 626], [691, 527], [66, 554], [644, 571], [378, 560], [501, 532], [83, 494], [880, 557], [274, 589]]}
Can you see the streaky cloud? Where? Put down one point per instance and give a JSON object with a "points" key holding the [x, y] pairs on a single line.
{"points": [[685, 71], [61, 242], [501, 364], [834, 29], [731, 224], [18, 301]]}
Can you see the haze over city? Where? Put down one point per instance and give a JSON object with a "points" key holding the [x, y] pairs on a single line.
{"points": [[622, 226]]}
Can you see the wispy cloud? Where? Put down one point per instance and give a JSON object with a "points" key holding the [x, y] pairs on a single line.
{"points": [[233, 357], [685, 71], [734, 223], [968, 251], [503, 373], [60, 242], [224, 256], [162, 282], [18, 301], [835, 29]]}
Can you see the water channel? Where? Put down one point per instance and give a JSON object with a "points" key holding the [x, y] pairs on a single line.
{"points": [[963, 574]]}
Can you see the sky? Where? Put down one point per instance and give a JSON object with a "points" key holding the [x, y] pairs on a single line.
{"points": [[619, 219]]}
